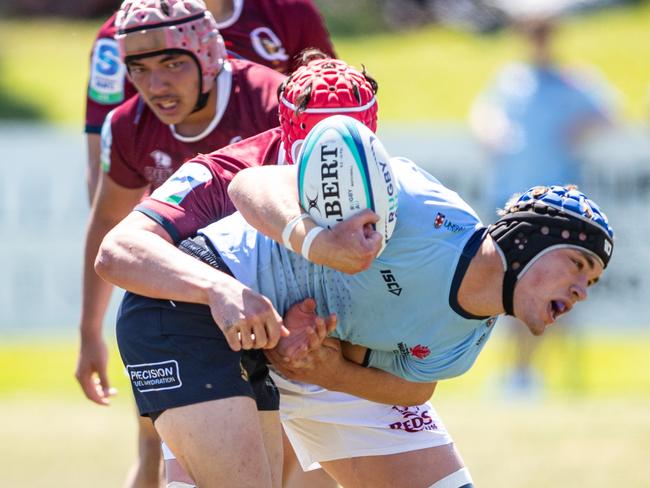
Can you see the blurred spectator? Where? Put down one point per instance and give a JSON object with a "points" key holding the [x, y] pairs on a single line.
{"points": [[531, 120]]}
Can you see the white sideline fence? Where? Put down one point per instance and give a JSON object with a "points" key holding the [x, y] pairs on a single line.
{"points": [[43, 212]]}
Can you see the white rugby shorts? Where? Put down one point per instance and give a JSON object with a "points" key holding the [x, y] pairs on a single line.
{"points": [[324, 425]]}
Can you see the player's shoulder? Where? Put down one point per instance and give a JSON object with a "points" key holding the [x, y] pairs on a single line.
{"points": [[107, 29], [245, 71], [260, 149], [133, 121], [291, 13], [294, 4], [130, 112], [415, 184]]}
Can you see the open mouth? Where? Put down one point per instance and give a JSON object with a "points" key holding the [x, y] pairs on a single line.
{"points": [[558, 307], [167, 104]]}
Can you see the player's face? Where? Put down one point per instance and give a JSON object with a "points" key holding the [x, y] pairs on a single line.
{"points": [[169, 83], [553, 285]]}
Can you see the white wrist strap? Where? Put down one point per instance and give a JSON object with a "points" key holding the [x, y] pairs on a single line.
{"points": [[288, 229], [309, 238]]}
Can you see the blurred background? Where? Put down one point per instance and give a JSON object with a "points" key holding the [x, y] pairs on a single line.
{"points": [[462, 94]]}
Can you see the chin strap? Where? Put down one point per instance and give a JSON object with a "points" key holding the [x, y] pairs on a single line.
{"points": [[201, 102], [534, 228]]}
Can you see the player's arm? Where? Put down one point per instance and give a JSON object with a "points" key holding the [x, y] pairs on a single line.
{"points": [[267, 197], [336, 366], [111, 204], [139, 255], [93, 148]]}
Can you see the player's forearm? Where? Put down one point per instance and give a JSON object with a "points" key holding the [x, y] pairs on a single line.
{"points": [[267, 198], [146, 264], [379, 386], [93, 142], [96, 292]]}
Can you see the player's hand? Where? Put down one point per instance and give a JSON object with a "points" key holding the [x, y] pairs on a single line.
{"points": [[246, 318], [350, 246], [91, 371], [308, 330], [318, 367]]}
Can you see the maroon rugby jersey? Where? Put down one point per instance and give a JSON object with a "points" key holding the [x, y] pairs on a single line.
{"points": [[269, 32], [139, 150], [196, 195]]}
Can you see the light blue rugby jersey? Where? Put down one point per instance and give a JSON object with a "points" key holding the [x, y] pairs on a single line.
{"points": [[404, 307]]}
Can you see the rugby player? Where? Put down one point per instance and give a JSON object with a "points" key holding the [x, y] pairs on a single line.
{"points": [[536, 262], [190, 100], [272, 33]]}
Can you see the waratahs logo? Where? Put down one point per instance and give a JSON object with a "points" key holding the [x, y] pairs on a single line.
{"points": [[187, 178], [420, 351]]}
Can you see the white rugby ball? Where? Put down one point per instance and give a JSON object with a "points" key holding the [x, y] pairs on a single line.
{"points": [[342, 169]]}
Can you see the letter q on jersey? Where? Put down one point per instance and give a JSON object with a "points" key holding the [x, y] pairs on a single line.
{"points": [[342, 169]]}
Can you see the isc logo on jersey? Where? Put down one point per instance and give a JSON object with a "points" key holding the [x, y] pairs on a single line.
{"points": [[342, 169]]}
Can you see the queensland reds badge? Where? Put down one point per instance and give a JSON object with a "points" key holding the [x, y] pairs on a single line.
{"points": [[268, 45]]}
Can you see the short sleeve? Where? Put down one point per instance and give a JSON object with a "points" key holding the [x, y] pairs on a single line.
{"points": [[193, 197], [114, 155]]}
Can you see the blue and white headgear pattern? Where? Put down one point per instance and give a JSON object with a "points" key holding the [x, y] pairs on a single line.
{"points": [[545, 218]]}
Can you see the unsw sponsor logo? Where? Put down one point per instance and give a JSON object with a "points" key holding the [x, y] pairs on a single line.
{"points": [[414, 419], [164, 375], [391, 282], [441, 221]]}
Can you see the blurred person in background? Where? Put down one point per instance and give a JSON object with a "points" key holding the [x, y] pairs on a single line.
{"points": [[531, 121], [190, 99], [272, 33]]}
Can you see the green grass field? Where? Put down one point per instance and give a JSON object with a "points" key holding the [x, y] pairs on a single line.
{"points": [[590, 429], [424, 74]]}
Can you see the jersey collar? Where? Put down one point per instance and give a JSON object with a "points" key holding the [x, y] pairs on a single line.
{"points": [[469, 251]]}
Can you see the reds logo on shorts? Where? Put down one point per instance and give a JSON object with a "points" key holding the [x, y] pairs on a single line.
{"points": [[414, 419]]}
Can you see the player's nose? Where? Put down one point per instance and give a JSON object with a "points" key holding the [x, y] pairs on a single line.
{"points": [[579, 291], [157, 82]]}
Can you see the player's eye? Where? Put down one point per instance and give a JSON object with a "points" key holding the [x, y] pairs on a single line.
{"points": [[579, 264], [175, 65], [136, 70]]}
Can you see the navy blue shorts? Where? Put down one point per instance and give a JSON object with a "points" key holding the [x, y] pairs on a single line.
{"points": [[176, 355]]}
